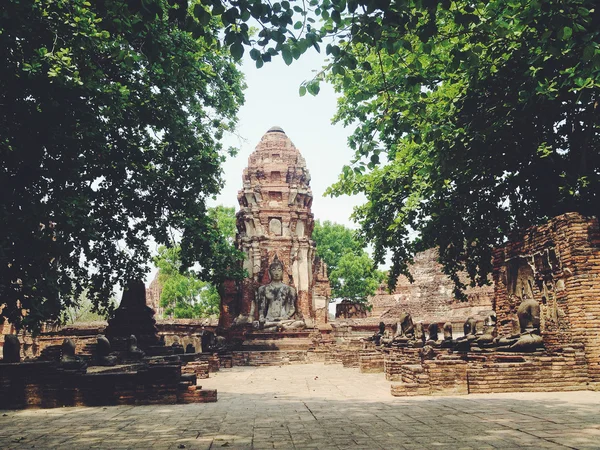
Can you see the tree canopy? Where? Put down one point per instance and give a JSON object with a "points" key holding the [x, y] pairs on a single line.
{"points": [[111, 114], [474, 119], [183, 294], [352, 273]]}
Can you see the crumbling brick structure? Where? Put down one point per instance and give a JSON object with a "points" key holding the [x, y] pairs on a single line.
{"points": [[430, 298], [153, 297], [558, 265]]}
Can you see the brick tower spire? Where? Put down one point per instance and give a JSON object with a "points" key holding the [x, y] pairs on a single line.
{"points": [[275, 220]]}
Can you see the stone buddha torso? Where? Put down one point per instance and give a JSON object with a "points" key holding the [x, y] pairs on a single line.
{"points": [[277, 302]]}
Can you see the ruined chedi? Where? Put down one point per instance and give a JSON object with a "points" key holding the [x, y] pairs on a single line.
{"points": [[275, 224]]}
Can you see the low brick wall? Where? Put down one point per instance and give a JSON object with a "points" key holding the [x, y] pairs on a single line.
{"points": [[350, 358], [492, 373], [564, 372], [43, 384], [370, 362], [270, 358], [394, 359], [199, 368], [318, 354]]}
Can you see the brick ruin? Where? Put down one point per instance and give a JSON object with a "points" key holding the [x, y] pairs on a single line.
{"points": [[153, 296], [557, 267], [275, 222], [79, 366], [553, 268], [429, 299]]}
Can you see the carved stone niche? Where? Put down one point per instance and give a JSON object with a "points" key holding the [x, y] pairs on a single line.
{"points": [[520, 280], [275, 176], [277, 196], [275, 227], [532, 277]]}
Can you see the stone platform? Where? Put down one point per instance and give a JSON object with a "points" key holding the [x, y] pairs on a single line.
{"points": [[45, 384], [299, 340], [270, 357], [316, 406]]}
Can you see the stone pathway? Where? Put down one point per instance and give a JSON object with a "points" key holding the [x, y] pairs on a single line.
{"points": [[316, 406]]}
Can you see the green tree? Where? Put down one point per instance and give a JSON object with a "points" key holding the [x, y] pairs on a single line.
{"points": [[352, 273], [355, 277], [184, 294], [474, 119], [83, 311], [224, 217], [111, 114], [333, 241]]}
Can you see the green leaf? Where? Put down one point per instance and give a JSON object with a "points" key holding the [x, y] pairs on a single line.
{"points": [[302, 91], [237, 50], [254, 54], [287, 55], [313, 87], [565, 33]]}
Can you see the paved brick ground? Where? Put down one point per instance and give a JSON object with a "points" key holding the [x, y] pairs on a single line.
{"points": [[316, 406]]}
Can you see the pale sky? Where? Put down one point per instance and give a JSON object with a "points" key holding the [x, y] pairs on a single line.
{"points": [[272, 99]]}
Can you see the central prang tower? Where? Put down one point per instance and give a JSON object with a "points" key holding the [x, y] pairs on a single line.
{"points": [[275, 222]]}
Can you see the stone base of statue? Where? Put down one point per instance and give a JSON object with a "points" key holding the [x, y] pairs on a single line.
{"points": [[275, 348], [279, 325], [249, 338], [299, 339]]}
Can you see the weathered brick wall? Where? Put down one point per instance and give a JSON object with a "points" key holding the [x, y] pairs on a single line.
{"points": [[29, 345], [558, 265], [186, 331], [395, 359], [270, 358], [199, 368], [153, 297], [45, 385], [429, 298], [348, 310], [370, 361], [476, 373], [562, 372]]}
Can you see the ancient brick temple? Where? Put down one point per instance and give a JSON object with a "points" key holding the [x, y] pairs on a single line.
{"points": [[557, 265], [275, 221], [430, 298]]}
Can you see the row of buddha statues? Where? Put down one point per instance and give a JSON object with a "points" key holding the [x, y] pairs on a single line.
{"points": [[103, 354], [525, 335]]}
